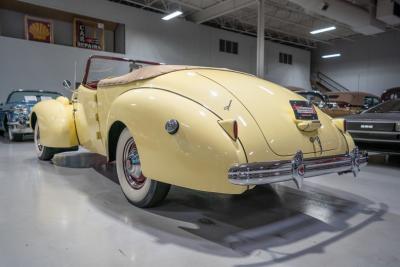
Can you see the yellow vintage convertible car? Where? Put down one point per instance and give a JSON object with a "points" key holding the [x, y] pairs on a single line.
{"points": [[202, 128]]}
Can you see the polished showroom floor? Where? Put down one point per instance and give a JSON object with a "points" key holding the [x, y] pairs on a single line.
{"points": [[72, 213]]}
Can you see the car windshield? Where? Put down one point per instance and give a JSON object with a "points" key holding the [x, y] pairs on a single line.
{"points": [[387, 107], [30, 96], [371, 101], [107, 68], [314, 98]]}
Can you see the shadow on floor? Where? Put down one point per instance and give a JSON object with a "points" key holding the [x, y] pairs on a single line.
{"points": [[260, 219]]}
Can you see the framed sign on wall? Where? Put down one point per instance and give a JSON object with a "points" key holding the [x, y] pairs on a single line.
{"points": [[39, 29], [88, 34]]}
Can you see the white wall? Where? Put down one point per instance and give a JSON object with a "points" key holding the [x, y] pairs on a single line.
{"points": [[297, 75], [26, 64], [371, 64]]}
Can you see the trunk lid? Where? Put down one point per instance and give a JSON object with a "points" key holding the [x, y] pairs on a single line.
{"points": [[269, 105]]}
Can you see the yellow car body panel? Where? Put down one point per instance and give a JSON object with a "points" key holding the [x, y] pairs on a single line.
{"points": [[200, 154], [56, 122], [86, 120], [197, 156]]}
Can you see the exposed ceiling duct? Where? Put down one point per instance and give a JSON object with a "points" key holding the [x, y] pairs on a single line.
{"points": [[358, 19]]}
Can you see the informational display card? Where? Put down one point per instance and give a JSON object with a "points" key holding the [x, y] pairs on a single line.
{"points": [[303, 110]]}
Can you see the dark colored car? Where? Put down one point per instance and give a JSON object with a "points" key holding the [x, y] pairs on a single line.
{"points": [[358, 101], [393, 93], [377, 128], [14, 113]]}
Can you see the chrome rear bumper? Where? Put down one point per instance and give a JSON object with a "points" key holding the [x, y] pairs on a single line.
{"points": [[296, 169]]}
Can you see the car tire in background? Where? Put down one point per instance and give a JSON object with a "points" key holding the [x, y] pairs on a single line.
{"points": [[138, 189], [43, 153], [13, 137]]}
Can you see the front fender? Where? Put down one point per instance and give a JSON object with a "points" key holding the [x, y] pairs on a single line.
{"points": [[198, 156], [56, 123]]}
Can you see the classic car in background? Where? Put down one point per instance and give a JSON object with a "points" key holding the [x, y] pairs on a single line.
{"points": [[207, 129], [389, 94], [315, 97], [322, 101], [14, 113], [377, 128], [354, 102]]}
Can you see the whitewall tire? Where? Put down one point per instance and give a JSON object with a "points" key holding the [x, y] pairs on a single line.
{"points": [[42, 152], [138, 189]]}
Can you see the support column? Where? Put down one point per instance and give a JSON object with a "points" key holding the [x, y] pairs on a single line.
{"points": [[260, 39]]}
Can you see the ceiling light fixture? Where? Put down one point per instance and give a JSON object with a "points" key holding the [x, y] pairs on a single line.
{"points": [[332, 55], [172, 15], [323, 30]]}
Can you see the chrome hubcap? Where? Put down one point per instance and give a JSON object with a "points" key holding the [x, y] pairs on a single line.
{"points": [[132, 166]]}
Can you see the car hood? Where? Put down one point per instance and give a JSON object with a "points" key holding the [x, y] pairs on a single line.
{"points": [[261, 108], [374, 116]]}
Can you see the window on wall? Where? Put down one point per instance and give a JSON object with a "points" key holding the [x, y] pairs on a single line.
{"points": [[285, 58], [228, 47]]}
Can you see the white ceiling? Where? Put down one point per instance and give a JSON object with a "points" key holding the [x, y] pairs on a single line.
{"points": [[285, 21]]}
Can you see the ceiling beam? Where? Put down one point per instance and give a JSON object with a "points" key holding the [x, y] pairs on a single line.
{"points": [[287, 33], [219, 10], [277, 39], [195, 7]]}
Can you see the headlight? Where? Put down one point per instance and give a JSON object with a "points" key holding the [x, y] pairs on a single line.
{"points": [[20, 109], [397, 126]]}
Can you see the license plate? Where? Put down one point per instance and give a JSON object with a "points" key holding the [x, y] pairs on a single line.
{"points": [[303, 110]]}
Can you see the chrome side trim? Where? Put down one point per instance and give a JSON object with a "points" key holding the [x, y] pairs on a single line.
{"points": [[296, 169], [375, 140], [371, 121], [373, 132]]}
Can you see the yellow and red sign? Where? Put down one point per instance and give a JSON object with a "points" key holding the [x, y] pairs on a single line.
{"points": [[38, 29]]}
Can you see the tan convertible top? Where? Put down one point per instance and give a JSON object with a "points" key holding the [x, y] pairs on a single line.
{"points": [[144, 73]]}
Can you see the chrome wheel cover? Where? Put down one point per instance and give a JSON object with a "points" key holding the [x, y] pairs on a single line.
{"points": [[131, 165]]}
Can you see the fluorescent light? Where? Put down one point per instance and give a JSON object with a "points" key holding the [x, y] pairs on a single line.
{"points": [[172, 15], [332, 55], [323, 30]]}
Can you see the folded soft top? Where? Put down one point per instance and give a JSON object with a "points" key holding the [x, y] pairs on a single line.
{"points": [[144, 73]]}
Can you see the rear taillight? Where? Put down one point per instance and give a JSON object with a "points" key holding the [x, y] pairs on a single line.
{"points": [[230, 127], [235, 130]]}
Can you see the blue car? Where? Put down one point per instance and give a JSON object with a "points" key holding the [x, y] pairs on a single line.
{"points": [[14, 114]]}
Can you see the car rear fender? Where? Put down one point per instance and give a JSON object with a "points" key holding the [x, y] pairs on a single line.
{"points": [[56, 123], [197, 156]]}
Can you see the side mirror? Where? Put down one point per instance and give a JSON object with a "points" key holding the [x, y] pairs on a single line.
{"points": [[67, 85]]}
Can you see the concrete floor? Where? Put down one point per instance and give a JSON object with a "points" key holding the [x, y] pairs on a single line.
{"points": [[72, 213]]}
